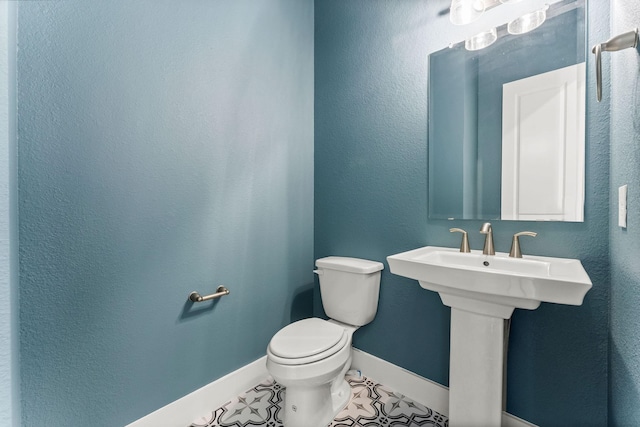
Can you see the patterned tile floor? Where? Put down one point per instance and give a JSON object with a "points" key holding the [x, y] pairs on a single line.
{"points": [[371, 405]]}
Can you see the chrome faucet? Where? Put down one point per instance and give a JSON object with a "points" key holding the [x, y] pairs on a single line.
{"points": [[488, 240]]}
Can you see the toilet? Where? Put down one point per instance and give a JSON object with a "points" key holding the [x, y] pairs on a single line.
{"points": [[311, 356]]}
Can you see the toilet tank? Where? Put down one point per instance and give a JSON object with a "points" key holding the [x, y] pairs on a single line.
{"points": [[349, 288]]}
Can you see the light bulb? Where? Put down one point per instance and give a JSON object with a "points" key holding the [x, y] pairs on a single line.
{"points": [[481, 40], [528, 22], [465, 11]]}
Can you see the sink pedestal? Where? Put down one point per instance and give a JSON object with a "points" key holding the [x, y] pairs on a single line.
{"points": [[475, 369], [476, 361]]}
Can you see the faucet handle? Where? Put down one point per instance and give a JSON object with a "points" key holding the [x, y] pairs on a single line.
{"points": [[515, 245], [464, 245]]}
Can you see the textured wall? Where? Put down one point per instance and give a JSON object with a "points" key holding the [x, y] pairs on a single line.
{"points": [[5, 275], [625, 243], [371, 201], [9, 365], [164, 147]]}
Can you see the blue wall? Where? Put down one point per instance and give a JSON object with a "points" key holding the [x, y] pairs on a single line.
{"points": [[624, 347], [371, 201], [9, 354], [167, 147], [164, 147]]}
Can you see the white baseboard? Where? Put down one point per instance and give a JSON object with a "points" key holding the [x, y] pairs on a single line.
{"points": [[185, 410], [206, 399], [429, 393]]}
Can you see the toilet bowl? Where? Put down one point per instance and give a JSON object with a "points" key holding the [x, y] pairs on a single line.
{"points": [[311, 356], [313, 378]]}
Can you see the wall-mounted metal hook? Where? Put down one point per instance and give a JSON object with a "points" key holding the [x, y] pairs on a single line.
{"points": [[619, 42]]}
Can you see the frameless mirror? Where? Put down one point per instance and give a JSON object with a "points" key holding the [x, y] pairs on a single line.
{"points": [[507, 123]]}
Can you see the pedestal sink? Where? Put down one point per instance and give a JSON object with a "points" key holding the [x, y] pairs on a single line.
{"points": [[482, 291]]}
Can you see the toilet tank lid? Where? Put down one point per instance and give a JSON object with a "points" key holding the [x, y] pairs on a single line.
{"points": [[351, 265]]}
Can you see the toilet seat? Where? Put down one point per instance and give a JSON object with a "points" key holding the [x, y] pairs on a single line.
{"points": [[306, 341]]}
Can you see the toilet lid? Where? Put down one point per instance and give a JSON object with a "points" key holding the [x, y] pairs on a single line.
{"points": [[306, 338]]}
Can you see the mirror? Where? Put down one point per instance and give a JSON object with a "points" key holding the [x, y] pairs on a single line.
{"points": [[507, 124]]}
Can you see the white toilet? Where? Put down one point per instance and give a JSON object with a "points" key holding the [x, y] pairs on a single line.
{"points": [[310, 357]]}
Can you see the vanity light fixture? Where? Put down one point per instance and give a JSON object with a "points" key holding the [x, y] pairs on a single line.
{"points": [[463, 12], [528, 22], [481, 40]]}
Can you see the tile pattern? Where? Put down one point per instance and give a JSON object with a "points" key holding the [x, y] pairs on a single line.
{"points": [[371, 405]]}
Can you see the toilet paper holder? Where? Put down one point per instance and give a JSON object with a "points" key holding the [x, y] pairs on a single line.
{"points": [[220, 292]]}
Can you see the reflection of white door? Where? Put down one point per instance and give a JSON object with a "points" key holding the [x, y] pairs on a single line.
{"points": [[543, 122]]}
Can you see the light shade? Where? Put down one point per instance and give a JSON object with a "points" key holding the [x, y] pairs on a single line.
{"points": [[510, 1], [465, 11], [528, 22], [481, 40]]}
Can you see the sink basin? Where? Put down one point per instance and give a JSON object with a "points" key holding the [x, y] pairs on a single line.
{"points": [[493, 280], [482, 291]]}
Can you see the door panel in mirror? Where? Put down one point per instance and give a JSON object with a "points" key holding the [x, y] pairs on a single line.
{"points": [[543, 146]]}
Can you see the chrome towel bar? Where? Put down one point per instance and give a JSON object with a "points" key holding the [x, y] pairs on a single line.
{"points": [[220, 292]]}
